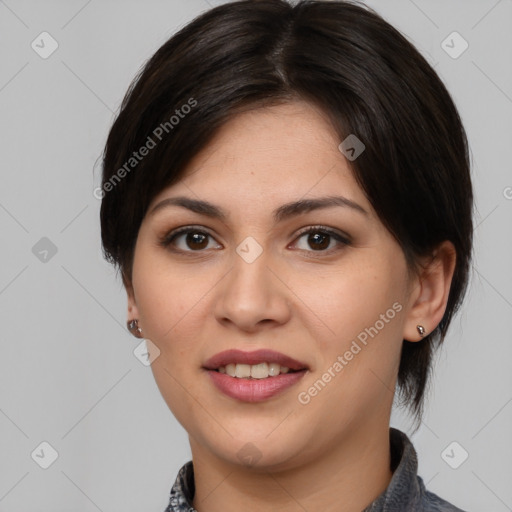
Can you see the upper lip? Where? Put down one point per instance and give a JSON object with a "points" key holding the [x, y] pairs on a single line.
{"points": [[256, 357]]}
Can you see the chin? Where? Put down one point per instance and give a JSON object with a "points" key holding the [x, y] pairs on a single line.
{"points": [[260, 453]]}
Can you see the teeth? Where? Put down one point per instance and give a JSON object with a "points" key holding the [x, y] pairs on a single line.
{"points": [[259, 371], [242, 370], [255, 371]]}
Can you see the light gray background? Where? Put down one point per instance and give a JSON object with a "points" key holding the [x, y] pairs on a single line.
{"points": [[68, 375]]}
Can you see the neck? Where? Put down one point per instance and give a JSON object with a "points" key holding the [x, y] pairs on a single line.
{"points": [[347, 477]]}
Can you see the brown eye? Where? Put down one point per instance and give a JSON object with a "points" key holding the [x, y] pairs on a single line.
{"points": [[196, 240], [319, 239], [188, 240]]}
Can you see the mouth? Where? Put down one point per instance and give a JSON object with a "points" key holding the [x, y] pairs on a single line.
{"points": [[259, 364], [254, 376]]}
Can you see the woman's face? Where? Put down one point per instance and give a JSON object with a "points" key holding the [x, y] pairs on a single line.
{"points": [[336, 299]]}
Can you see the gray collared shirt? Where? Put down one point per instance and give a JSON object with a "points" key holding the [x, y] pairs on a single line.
{"points": [[405, 493]]}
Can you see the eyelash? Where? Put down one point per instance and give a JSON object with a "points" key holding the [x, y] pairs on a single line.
{"points": [[167, 240]]}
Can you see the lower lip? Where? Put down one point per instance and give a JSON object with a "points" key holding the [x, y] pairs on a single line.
{"points": [[254, 390]]}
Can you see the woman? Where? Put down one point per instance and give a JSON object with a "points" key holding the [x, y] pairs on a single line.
{"points": [[287, 194]]}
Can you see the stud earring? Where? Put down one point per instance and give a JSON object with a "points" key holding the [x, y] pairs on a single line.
{"points": [[133, 327], [421, 330]]}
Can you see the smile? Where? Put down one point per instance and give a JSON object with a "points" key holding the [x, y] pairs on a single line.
{"points": [[254, 371], [254, 376], [254, 390]]}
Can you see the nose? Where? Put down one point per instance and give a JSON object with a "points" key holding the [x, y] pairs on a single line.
{"points": [[253, 295]]}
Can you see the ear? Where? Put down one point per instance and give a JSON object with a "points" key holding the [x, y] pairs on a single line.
{"points": [[430, 291], [133, 312]]}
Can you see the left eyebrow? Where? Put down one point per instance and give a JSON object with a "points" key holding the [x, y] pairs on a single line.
{"points": [[306, 205], [281, 213]]}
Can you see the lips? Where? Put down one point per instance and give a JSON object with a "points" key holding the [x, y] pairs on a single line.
{"points": [[256, 357]]}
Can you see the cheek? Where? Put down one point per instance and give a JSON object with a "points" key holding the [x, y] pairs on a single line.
{"points": [[168, 303], [165, 297], [352, 299], [363, 310]]}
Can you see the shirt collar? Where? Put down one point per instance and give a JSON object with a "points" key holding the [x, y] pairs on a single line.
{"points": [[404, 492]]}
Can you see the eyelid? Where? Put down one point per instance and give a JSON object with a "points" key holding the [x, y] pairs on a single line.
{"points": [[341, 237], [167, 239], [325, 229]]}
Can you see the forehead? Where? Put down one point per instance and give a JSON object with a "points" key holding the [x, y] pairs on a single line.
{"points": [[271, 155]]}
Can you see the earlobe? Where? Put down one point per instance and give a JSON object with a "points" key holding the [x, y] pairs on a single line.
{"points": [[432, 291]]}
